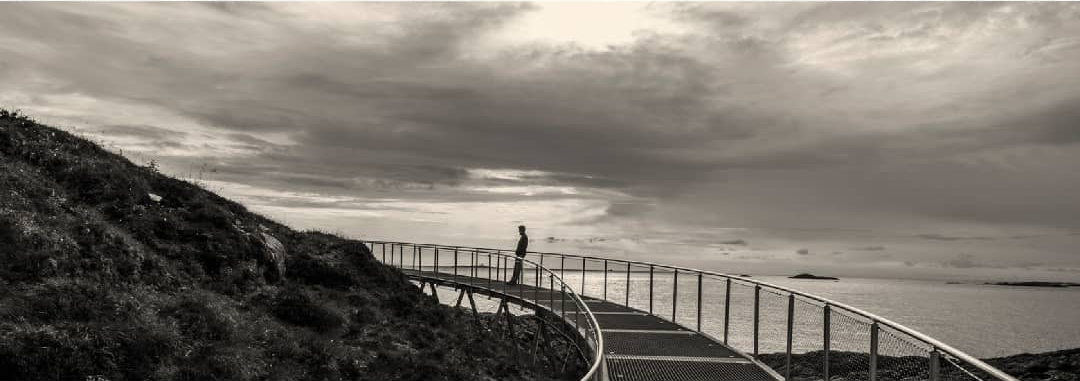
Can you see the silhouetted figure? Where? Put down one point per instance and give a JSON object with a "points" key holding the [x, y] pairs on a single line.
{"points": [[523, 245]]}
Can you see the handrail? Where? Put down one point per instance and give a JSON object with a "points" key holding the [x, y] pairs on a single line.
{"points": [[935, 344], [596, 365]]}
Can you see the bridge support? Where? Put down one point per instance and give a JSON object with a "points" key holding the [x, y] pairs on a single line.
{"points": [[461, 295], [504, 307], [434, 293], [541, 327]]}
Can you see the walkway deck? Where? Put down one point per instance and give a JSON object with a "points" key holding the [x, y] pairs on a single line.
{"points": [[639, 346]]}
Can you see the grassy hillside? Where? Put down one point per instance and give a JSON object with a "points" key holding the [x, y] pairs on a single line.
{"points": [[113, 271]]}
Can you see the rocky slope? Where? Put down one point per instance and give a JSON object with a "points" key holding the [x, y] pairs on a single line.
{"points": [[113, 271]]}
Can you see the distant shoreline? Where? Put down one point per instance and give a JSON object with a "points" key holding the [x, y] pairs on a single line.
{"points": [[1035, 284]]}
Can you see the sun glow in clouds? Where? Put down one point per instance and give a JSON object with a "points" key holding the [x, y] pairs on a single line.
{"points": [[586, 25]]}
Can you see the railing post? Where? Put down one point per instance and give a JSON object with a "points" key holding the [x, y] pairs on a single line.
{"points": [[935, 365], [562, 268], [650, 288], [699, 301], [562, 286], [790, 329], [392, 255], [675, 295], [577, 315], [827, 330], [536, 290], [539, 273], [489, 269], [605, 279], [435, 268], [873, 350], [757, 316], [414, 257], [551, 289], [627, 285], [727, 308], [383, 245], [582, 290]]}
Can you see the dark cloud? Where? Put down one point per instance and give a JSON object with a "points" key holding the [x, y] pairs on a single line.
{"points": [[940, 237], [735, 242], [797, 120], [803, 252]]}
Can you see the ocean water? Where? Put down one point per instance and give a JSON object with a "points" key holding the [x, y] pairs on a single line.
{"points": [[982, 320]]}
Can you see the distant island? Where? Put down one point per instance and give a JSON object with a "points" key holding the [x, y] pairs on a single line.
{"points": [[812, 276], [1035, 284]]}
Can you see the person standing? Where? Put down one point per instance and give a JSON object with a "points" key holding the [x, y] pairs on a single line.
{"points": [[522, 247]]}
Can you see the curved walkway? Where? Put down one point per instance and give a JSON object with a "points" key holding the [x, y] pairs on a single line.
{"points": [[637, 346], [628, 344]]}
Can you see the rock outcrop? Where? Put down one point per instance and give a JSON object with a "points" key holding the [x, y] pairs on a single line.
{"points": [[273, 254]]}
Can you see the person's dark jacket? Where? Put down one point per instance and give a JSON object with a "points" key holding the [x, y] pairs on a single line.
{"points": [[523, 245]]}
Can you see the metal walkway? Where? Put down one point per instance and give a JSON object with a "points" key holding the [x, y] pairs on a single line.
{"points": [[637, 346]]}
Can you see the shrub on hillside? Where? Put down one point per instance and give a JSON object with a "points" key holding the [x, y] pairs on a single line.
{"points": [[80, 301], [310, 270], [198, 319], [295, 306], [115, 351]]}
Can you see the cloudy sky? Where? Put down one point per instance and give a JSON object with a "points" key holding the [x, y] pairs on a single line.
{"points": [[901, 139]]}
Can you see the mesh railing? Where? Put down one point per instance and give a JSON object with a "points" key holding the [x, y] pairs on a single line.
{"points": [[487, 271], [801, 336]]}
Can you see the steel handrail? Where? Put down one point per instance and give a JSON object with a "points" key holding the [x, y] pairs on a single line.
{"points": [[933, 343], [598, 352]]}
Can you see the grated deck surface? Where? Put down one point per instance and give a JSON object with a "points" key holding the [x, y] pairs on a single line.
{"points": [[654, 370], [664, 344], [636, 322]]}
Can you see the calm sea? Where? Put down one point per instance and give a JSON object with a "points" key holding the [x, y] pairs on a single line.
{"points": [[983, 320]]}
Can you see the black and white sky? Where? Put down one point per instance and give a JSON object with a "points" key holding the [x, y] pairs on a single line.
{"points": [[876, 139]]}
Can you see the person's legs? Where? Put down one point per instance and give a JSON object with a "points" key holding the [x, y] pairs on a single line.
{"points": [[517, 271]]}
